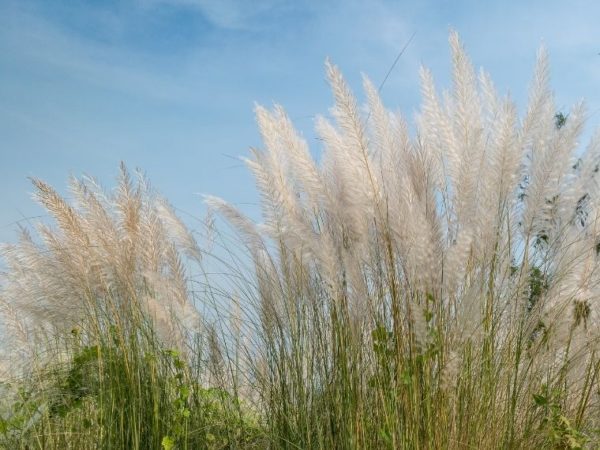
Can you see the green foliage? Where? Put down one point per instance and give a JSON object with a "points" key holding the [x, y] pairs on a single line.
{"points": [[79, 382], [561, 434], [560, 119], [23, 412], [124, 391], [167, 443]]}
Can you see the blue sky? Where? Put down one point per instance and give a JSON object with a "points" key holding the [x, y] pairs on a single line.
{"points": [[169, 86]]}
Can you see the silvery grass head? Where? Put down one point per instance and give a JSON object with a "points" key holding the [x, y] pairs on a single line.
{"points": [[476, 222], [108, 253]]}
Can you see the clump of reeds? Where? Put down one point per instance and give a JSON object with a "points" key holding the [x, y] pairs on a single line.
{"points": [[106, 347], [434, 287], [428, 289], [109, 252]]}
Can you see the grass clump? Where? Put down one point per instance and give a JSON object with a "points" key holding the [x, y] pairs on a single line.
{"points": [[113, 345], [435, 288], [428, 289]]}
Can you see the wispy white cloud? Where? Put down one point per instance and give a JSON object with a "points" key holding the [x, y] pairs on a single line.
{"points": [[227, 14]]}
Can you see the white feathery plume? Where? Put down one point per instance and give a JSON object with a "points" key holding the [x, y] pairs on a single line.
{"points": [[352, 131], [348, 201], [106, 250], [248, 230], [176, 229], [301, 166]]}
